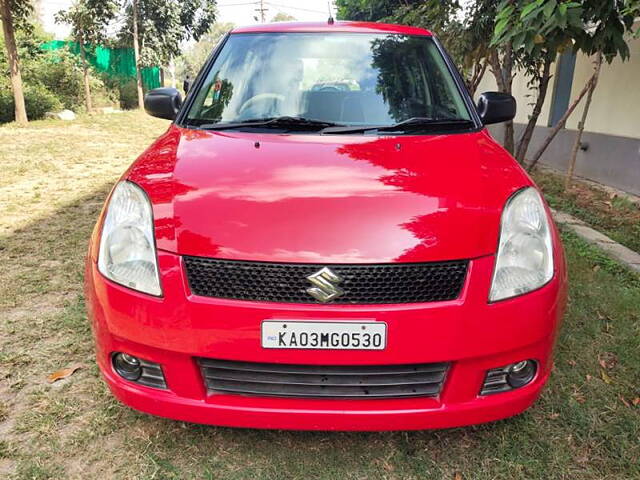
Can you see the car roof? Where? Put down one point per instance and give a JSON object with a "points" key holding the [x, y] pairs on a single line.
{"points": [[353, 27]]}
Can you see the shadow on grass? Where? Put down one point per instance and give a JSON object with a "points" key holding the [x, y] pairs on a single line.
{"points": [[44, 263]]}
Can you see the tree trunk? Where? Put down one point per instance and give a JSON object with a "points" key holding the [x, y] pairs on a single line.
{"points": [[85, 73], [14, 62], [136, 53], [172, 71], [507, 69], [559, 125], [479, 68], [503, 71], [496, 69], [585, 111], [162, 77], [525, 138]]}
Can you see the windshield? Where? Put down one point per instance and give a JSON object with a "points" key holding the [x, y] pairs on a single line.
{"points": [[348, 79]]}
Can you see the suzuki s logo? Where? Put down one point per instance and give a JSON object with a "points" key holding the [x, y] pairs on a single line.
{"points": [[325, 286]]}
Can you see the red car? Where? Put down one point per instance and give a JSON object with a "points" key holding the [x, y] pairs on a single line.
{"points": [[326, 237]]}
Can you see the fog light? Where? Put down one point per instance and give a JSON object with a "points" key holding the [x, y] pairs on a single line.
{"points": [[514, 375], [139, 370], [521, 373], [127, 366]]}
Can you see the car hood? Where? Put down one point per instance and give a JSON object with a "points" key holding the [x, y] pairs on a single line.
{"points": [[327, 199]]}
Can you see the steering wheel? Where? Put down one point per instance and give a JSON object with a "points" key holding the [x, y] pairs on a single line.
{"points": [[329, 88], [271, 103]]}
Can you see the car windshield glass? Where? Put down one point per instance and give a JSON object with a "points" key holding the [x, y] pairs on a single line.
{"points": [[344, 79]]}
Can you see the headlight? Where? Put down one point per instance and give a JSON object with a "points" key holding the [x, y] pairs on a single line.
{"points": [[524, 260], [127, 247]]}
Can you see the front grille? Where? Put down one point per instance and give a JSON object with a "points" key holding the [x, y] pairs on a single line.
{"points": [[315, 381], [362, 284]]}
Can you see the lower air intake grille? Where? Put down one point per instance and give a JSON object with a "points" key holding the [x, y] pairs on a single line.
{"points": [[362, 284], [496, 382], [151, 375], [315, 381]]}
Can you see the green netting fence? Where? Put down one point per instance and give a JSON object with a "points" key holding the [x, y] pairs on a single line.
{"points": [[114, 62]]}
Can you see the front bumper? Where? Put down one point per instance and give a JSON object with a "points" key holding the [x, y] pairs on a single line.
{"points": [[468, 332]]}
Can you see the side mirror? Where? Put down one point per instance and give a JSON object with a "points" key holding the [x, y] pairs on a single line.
{"points": [[496, 107], [163, 102]]}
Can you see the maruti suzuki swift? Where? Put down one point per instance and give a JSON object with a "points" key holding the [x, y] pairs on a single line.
{"points": [[326, 238]]}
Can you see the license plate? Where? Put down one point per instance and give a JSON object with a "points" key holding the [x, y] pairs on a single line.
{"points": [[324, 335]]}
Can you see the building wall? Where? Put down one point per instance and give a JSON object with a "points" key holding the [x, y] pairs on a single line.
{"points": [[612, 131], [608, 159], [615, 108]]}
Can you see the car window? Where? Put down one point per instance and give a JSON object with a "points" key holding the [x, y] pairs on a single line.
{"points": [[343, 78]]}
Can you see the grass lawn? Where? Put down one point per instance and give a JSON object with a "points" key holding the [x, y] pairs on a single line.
{"points": [[614, 216], [55, 176]]}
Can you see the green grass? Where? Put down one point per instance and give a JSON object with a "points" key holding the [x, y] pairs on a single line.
{"points": [[616, 217], [584, 427]]}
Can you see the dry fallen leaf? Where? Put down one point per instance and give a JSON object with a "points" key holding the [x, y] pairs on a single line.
{"points": [[457, 476], [63, 373], [571, 362], [582, 459], [605, 378], [622, 399], [607, 360], [636, 401], [553, 416], [579, 397], [589, 377]]}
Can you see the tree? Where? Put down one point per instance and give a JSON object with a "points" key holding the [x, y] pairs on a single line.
{"points": [[136, 52], [605, 25], [159, 27], [535, 31], [585, 111], [465, 31], [440, 16], [192, 59], [610, 21], [15, 14], [283, 17], [88, 20]]}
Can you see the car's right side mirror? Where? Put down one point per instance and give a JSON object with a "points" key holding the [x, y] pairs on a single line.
{"points": [[496, 107], [163, 102]]}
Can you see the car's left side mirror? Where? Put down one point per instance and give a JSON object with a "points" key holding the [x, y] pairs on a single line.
{"points": [[163, 102], [496, 107]]}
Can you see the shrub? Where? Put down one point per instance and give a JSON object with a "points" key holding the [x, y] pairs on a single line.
{"points": [[37, 98], [128, 95], [61, 72]]}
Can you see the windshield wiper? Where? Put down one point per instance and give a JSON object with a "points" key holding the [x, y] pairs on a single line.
{"points": [[411, 124], [284, 121]]}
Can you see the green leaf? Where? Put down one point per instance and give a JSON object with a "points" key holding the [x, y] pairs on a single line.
{"points": [[562, 9], [549, 7], [500, 26], [562, 16], [528, 9], [505, 12], [529, 44], [518, 39]]}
